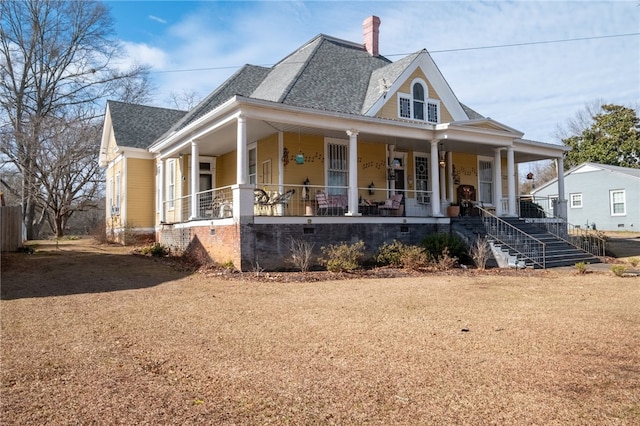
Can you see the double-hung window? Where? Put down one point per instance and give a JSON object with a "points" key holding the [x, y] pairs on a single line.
{"points": [[337, 168], [116, 205], [485, 181], [618, 202], [171, 179], [576, 200]]}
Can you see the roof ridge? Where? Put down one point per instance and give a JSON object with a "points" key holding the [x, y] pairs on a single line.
{"points": [[111, 101], [196, 109], [294, 80]]}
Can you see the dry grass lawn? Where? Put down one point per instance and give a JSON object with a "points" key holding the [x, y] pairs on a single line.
{"points": [[93, 335]]}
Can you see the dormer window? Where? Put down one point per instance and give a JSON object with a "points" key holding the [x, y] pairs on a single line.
{"points": [[417, 105], [418, 101]]}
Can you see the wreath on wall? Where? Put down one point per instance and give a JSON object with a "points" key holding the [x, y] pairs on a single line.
{"points": [[285, 156]]}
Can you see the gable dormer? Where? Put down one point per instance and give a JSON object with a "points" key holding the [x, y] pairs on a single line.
{"points": [[413, 89]]}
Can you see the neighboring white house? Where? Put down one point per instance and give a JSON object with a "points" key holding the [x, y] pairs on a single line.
{"points": [[599, 196]]}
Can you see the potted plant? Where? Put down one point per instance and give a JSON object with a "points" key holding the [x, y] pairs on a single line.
{"points": [[453, 210]]}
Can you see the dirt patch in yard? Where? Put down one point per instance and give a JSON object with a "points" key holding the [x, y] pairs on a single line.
{"points": [[93, 334]]}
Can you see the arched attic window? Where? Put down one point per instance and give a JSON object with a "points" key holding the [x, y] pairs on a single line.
{"points": [[417, 105], [418, 101]]}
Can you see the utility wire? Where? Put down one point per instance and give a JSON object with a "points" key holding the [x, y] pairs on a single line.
{"points": [[461, 49]]}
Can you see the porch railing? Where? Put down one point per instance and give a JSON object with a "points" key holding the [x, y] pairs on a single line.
{"points": [[301, 200], [527, 247], [542, 210]]}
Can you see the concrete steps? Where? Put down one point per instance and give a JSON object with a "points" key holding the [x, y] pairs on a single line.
{"points": [[557, 251]]}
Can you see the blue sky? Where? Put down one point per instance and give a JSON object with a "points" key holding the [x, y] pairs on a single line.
{"points": [[533, 88]]}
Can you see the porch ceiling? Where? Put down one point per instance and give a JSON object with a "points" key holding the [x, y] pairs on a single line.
{"points": [[223, 141]]}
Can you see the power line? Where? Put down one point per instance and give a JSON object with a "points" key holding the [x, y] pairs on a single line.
{"points": [[461, 49]]}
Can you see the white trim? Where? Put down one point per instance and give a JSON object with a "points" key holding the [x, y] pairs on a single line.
{"points": [[493, 182], [578, 197], [624, 202], [437, 80]]}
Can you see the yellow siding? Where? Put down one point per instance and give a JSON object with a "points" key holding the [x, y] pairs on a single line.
{"points": [[268, 151], [140, 192], [111, 177], [372, 167], [312, 147], [226, 170], [390, 108]]}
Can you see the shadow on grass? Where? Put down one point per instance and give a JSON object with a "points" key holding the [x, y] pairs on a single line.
{"points": [[69, 271]]}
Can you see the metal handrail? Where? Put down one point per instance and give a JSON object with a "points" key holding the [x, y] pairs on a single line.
{"points": [[580, 238], [527, 246]]}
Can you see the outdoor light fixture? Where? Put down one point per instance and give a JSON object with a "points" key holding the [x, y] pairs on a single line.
{"points": [[372, 189], [305, 189]]}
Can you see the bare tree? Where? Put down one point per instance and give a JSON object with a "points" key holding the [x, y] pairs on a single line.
{"points": [[56, 64], [538, 173], [70, 180], [184, 100], [582, 120]]}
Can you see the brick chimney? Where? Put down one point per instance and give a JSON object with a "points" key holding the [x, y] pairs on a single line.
{"points": [[371, 29]]}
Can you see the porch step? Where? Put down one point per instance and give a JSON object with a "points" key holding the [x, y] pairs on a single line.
{"points": [[557, 251]]}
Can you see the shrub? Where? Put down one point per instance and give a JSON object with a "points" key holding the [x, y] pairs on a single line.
{"points": [[445, 261], [401, 255], [582, 267], [618, 270], [634, 261], [480, 252], [301, 254], [343, 257], [155, 249], [391, 254], [435, 244], [416, 258]]}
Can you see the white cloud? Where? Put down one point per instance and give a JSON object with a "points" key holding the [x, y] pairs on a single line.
{"points": [[532, 88], [142, 53], [155, 18]]}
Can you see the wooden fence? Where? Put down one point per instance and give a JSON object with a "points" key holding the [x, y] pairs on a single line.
{"points": [[10, 228]]}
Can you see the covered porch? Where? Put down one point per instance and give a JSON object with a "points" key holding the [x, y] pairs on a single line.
{"points": [[380, 168]]}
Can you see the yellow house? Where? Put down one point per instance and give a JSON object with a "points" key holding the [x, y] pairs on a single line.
{"points": [[333, 143]]}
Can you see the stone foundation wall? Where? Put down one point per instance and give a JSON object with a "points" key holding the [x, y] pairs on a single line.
{"points": [[267, 246], [270, 246]]}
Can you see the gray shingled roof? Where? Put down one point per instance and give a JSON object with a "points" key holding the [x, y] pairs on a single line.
{"points": [[241, 83], [382, 78], [472, 114], [138, 126], [335, 76], [326, 74]]}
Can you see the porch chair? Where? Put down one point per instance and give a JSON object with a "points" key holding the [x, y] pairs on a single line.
{"points": [[282, 200], [392, 207], [330, 205], [260, 202]]}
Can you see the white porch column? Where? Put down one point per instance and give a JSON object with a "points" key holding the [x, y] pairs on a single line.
{"points": [[280, 165], [450, 194], [562, 200], [353, 172], [435, 180], [443, 179], [242, 169], [195, 179], [162, 181], [511, 182], [497, 181]]}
